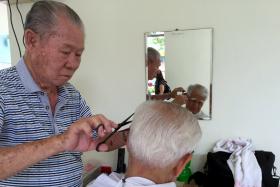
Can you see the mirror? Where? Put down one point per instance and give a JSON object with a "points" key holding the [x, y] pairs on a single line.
{"points": [[184, 60]]}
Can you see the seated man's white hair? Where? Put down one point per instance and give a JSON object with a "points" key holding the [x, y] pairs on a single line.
{"points": [[162, 133], [202, 90]]}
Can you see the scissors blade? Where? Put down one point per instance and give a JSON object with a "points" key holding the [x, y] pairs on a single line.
{"points": [[125, 122], [127, 118]]}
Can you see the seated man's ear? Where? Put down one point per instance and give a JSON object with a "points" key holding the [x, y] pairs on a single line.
{"points": [[181, 164]]}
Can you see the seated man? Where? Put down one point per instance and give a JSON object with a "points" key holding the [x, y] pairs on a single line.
{"points": [[161, 140], [194, 99]]}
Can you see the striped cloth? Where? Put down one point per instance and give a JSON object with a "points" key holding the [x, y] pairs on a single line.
{"points": [[25, 115]]}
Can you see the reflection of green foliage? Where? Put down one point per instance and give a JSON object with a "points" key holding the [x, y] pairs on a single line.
{"points": [[151, 90], [159, 41]]}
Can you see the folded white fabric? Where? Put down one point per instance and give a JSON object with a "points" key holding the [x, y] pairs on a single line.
{"points": [[242, 162]]}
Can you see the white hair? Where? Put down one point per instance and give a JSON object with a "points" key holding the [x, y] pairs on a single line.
{"points": [[162, 133], [202, 90]]}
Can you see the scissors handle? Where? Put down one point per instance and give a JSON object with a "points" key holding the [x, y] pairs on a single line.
{"points": [[98, 126], [107, 138]]}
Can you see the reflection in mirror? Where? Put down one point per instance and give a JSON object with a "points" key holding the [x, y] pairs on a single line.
{"points": [[181, 59]]}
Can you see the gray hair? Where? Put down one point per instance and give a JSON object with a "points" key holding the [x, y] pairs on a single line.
{"points": [[43, 15], [162, 133], [202, 90], [152, 54]]}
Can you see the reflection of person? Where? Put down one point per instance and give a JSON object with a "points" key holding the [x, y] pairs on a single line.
{"points": [[161, 140], [153, 64], [44, 121], [194, 99], [161, 85]]}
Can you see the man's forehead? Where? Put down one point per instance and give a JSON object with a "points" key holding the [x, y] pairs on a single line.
{"points": [[197, 96], [72, 46]]}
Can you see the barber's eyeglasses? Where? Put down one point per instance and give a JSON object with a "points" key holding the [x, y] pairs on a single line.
{"points": [[120, 125]]}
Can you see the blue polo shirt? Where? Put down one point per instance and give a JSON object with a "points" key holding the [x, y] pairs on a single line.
{"points": [[25, 116]]}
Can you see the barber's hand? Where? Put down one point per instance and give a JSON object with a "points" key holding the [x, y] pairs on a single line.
{"points": [[175, 91], [180, 100], [78, 137], [118, 140]]}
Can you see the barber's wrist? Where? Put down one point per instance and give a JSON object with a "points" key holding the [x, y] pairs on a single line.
{"points": [[168, 96], [59, 143]]}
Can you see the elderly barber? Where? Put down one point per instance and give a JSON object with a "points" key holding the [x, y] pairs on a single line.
{"points": [[45, 123]]}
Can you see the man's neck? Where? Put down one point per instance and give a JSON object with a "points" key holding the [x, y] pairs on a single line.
{"points": [[49, 89], [157, 175], [52, 90]]}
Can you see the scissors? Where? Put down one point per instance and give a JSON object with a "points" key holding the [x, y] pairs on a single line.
{"points": [[120, 125]]}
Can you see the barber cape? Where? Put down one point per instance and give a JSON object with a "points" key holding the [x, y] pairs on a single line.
{"points": [[202, 115], [117, 180]]}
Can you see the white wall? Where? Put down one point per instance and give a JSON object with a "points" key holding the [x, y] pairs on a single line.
{"points": [[246, 62], [3, 19]]}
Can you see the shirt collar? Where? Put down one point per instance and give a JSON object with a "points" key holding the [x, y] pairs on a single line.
{"points": [[140, 181], [26, 78], [29, 83]]}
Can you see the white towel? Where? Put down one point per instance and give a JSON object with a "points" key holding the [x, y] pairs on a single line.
{"points": [[242, 162]]}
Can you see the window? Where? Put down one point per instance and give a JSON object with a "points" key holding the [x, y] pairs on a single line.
{"points": [[5, 53]]}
